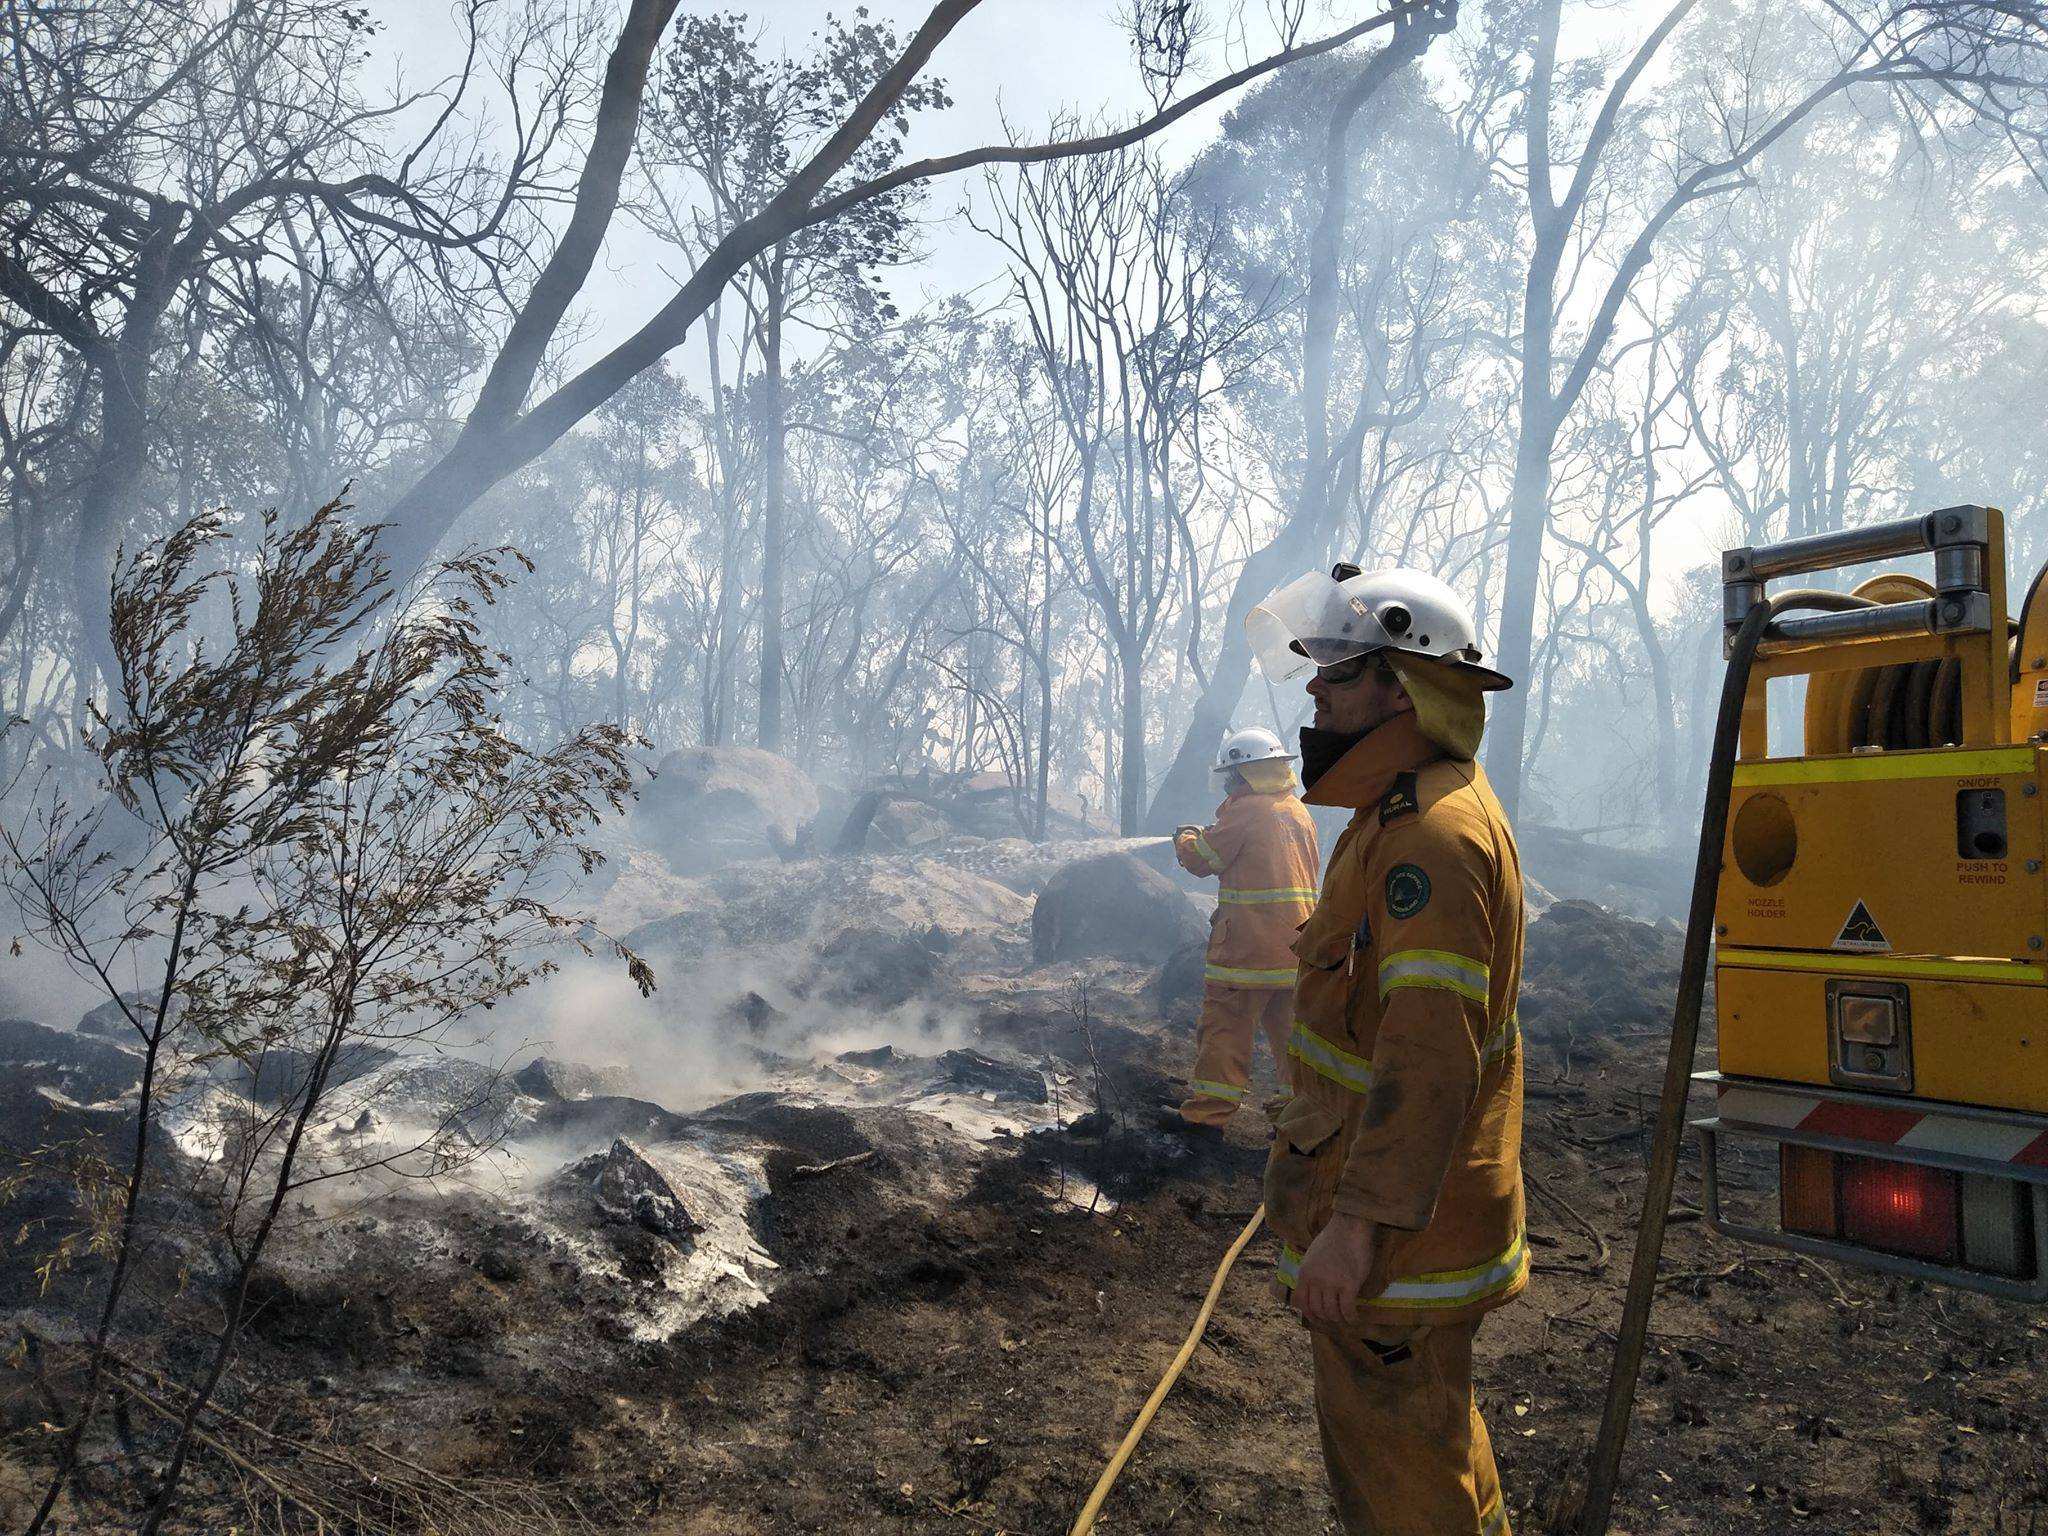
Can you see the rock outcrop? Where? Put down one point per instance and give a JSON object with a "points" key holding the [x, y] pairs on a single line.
{"points": [[1114, 907], [553, 1080], [708, 807], [629, 1188]]}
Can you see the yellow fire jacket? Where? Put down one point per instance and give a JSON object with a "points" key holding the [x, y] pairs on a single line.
{"points": [[1262, 849], [1406, 1060]]}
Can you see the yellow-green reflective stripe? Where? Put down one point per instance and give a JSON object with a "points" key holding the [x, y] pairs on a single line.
{"points": [[1495, 1519], [1338, 1065], [1274, 894], [1434, 968], [1459, 1287], [1235, 976], [1202, 847], [1881, 965], [1439, 1289], [1498, 1042], [1938, 764], [1214, 1090]]}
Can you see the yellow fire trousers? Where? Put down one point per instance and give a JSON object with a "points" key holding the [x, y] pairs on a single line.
{"points": [[1405, 1447], [1223, 1046]]}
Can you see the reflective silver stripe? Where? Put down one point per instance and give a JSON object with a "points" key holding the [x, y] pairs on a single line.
{"points": [[1278, 893], [1501, 1041], [1331, 1061], [1290, 1266], [1238, 976], [1214, 1090], [1440, 1290], [1434, 968], [1459, 1287]]}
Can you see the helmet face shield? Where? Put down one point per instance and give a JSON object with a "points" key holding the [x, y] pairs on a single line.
{"points": [[1319, 621], [1311, 622]]}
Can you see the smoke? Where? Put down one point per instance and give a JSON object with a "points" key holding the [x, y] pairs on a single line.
{"points": [[719, 1028], [38, 984]]}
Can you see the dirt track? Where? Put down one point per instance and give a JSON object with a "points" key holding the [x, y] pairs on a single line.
{"points": [[967, 1364]]}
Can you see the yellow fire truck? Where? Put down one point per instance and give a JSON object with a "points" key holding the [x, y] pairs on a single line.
{"points": [[1876, 916], [1880, 975]]}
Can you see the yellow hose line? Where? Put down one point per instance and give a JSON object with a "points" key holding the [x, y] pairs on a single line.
{"points": [[1107, 1481]]}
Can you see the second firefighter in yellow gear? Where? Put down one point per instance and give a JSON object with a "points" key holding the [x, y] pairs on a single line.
{"points": [[1261, 849], [1395, 1179]]}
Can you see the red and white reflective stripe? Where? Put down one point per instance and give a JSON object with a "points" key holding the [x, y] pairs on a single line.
{"points": [[1918, 1130]]}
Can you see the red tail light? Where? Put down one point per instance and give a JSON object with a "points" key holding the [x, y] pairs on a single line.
{"points": [[1901, 1208]]}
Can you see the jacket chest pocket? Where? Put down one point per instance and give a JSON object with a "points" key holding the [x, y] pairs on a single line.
{"points": [[1301, 1172], [1324, 943]]}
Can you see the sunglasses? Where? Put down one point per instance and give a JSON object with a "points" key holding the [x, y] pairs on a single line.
{"points": [[1341, 673]]}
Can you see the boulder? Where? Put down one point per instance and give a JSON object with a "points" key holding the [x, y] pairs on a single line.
{"points": [[753, 1012], [875, 966], [82, 1068], [108, 1022], [883, 821], [990, 805], [984, 1074], [905, 825], [1180, 981], [877, 1056], [801, 909], [61, 1089], [275, 1075], [629, 1188], [1112, 906], [708, 807], [604, 1117], [426, 1091], [553, 1080], [1027, 867]]}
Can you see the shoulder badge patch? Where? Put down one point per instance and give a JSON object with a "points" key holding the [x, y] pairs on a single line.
{"points": [[1407, 890], [1400, 800]]}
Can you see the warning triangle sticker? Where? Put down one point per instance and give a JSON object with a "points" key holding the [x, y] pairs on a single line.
{"points": [[1861, 932]]}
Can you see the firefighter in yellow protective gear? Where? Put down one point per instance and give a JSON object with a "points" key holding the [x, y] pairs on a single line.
{"points": [[1261, 849], [1395, 1180]]}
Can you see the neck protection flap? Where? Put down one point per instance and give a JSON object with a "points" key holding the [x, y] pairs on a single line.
{"points": [[1450, 705], [1320, 751]]}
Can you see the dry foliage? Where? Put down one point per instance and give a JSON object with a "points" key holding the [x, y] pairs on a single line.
{"points": [[317, 834]]}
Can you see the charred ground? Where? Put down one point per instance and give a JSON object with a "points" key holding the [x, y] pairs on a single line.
{"points": [[954, 1340]]}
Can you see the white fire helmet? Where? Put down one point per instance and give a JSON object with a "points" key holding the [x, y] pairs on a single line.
{"points": [[1250, 746], [1318, 621]]}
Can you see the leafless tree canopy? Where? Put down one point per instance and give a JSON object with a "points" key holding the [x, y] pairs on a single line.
{"points": [[1552, 307]]}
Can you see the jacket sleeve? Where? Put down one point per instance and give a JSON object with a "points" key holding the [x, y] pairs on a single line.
{"points": [[1427, 900], [1212, 850]]}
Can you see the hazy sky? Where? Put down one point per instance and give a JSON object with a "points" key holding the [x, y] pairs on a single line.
{"points": [[1020, 60], [1024, 59]]}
